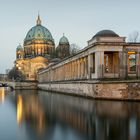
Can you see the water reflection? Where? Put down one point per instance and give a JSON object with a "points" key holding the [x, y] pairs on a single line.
{"points": [[41, 115], [19, 109], [2, 94], [29, 109], [98, 120]]}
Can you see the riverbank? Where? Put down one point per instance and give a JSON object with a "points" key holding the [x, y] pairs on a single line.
{"points": [[118, 90], [26, 85], [113, 90]]}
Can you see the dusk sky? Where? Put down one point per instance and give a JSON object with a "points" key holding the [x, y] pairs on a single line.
{"points": [[80, 20]]}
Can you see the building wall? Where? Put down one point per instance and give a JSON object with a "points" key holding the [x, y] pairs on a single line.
{"points": [[39, 48], [29, 67]]}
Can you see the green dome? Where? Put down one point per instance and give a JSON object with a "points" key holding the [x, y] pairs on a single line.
{"points": [[38, 32], [63, 40], [19, 47]]}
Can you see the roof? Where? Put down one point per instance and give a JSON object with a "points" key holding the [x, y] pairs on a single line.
{"points": [[38, 32], [106, 33], [63, 40], [19, 47]]}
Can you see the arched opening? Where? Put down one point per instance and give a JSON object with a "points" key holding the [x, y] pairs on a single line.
{"points": [[131, 62]]}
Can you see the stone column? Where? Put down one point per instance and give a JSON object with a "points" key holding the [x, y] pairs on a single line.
{"points": [[70, 70], [138, 63], [73, 69], [90, 65], [99, 64], [72, 66], [66, 71], [86, 67], [76, 69], [78, 63], [57, 74], [123, 64], [82, 67]]}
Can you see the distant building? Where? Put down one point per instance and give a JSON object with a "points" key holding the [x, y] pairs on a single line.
{"points": [[39, 51]]}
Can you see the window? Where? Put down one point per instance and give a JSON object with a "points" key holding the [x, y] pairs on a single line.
{"points": [[39, 51], [131, 62]]}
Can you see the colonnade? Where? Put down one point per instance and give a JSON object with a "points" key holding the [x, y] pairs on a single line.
{"points": [[75, 68], [91, 65], [72, 70]]}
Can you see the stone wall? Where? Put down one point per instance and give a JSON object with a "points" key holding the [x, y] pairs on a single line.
{"points": [[26, 85], [23, 85], [106, 90]]}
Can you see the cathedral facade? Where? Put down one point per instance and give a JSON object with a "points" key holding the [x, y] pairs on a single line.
{"points": [[39, 51]]}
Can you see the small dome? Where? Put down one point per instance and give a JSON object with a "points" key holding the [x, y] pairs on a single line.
{"points": [[106, 33], [63, 40], [19, 47]]}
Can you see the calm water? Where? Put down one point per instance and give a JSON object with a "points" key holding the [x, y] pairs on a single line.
{"points": [[32, 115]]}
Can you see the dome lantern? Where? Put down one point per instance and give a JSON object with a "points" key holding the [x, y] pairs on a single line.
{"points": [[38, 21]]}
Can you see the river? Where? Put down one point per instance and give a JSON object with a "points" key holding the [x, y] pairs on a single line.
{"points": [[40, 115]]}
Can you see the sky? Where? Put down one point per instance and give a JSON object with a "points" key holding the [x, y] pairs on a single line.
{"points": [[80, 20]]}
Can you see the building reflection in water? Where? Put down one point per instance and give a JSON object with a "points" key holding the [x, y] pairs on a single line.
{"points": [[97, 120], [19, 109], [2, 94], [30, 110]]}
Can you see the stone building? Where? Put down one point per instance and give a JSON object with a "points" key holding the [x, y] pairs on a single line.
{"points": [[39, 51], [107, 55]]}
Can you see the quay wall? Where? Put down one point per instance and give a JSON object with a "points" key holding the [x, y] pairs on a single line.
{"points": [[124, 90], [26, 85], [23, 85]]}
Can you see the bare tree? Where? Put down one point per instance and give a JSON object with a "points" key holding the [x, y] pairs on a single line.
{"points": [[134, 37], [15, 74], [74, 48]]}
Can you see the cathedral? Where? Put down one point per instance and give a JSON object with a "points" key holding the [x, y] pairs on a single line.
{"points": [[39, 51]]}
